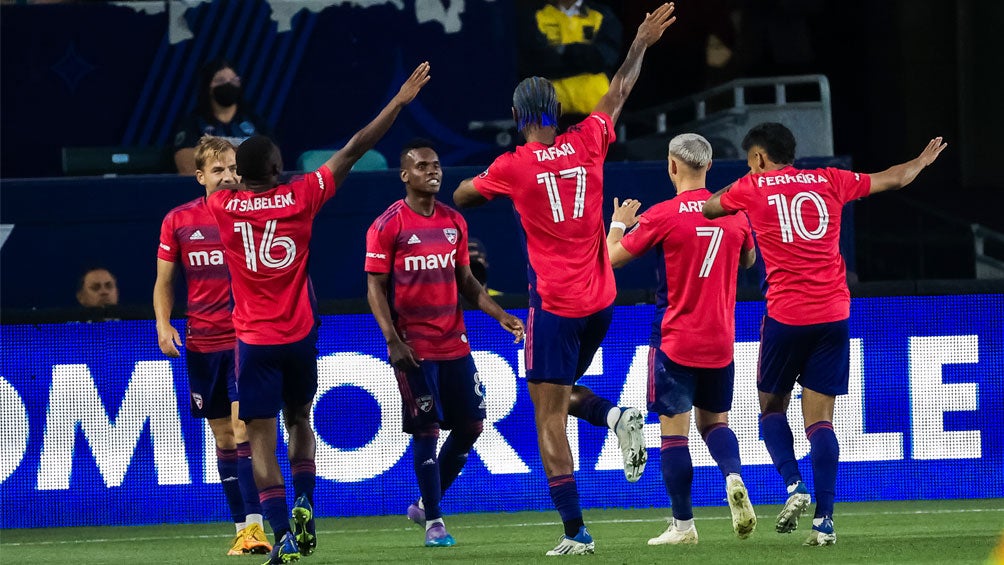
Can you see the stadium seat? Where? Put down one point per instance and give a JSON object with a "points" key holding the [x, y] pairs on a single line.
{"points": [[310, 160], [82, 161]]}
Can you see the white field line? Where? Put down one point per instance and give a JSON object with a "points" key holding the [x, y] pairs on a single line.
{"points": [[475, 527]]}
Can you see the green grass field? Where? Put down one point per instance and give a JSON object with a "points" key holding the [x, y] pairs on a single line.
{"points": [[959, 531]]}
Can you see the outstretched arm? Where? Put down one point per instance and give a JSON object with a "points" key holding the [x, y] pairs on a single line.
{"points": [[649, 32], [341, 162], [466, 196], [472, 290], [898, 176]]}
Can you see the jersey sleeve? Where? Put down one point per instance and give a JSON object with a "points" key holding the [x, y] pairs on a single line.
{"points": [[463, 253], [649, 231], [598, 129], [848, 184], [738, 197], [496, 180], [317, 186], [168, 248], [380, 247], [748, 242]]}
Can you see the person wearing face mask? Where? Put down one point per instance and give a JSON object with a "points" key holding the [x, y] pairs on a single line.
{"points": [[221, 111]]}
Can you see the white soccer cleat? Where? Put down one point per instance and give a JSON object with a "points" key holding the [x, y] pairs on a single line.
{"points": [[674, 536], [794, 507], [822, 534], [632, 443], [581, 544], [743, 516]]}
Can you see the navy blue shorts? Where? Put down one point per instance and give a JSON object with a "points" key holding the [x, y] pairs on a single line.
{"points": [[818, 356], [448, 393], [674, 388], [272, 376], [212, 384], [558, 349]]}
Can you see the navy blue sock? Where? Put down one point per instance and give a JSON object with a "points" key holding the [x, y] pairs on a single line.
{"points": [[453, 456], [593, 409], [245, 477], [226, 463], [427, 471], [825, 454], [304, 480], [724, 448], [678, 474], [273, 505], [565, 496], [780, 444]]}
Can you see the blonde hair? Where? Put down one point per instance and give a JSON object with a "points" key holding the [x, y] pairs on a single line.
{"points": [[692, 149], [209, 149]]}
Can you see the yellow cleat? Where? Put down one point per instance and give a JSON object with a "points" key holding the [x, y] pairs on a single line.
{"points": [[255, 540], [237, 545]]}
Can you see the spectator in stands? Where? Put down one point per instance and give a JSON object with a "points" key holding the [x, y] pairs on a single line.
{"points": [[220, 111], [98, 293], [576, 44], [479, 264]]}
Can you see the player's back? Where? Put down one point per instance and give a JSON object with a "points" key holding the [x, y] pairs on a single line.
{"points": [[796, 215], [557, 191], [267, 239], [191, 238], [695, 302]]}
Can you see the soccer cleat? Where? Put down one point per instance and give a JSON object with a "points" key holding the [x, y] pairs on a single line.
{"points": [[285, 551], [743, 516], [632, 442], [255, 540], [581, 544], [822, 534], [796, 504], [303, 525], [437, 536], [416, 514], [237, 544], [675, 536]]}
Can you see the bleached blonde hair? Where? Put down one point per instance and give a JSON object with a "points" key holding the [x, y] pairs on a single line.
{"points": [[692, 149]]}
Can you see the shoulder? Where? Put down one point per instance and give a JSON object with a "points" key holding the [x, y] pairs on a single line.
{"points": [[180, 212], [450, 212], [390, 216]]}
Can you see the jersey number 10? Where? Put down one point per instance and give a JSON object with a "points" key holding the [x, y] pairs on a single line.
{"points": [[269, 242], [550, 180], [790, 216]]}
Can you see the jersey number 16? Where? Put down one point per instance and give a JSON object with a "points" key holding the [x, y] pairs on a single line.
{"points": [[269, 242]]}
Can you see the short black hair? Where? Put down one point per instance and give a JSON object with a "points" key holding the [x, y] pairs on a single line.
{"points": [[417, 143], [775, 139], [254, 158], [89, 270]]}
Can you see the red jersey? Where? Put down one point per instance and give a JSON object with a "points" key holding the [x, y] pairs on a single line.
{"points": [[189, 235], [696, 301], [421, 255], [796, 217], [267, 240], [557, 191]]}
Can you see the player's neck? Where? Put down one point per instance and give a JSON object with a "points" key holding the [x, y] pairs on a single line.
{"points": [[539, 134], [225, 114], [686, 185], [424, 204]]}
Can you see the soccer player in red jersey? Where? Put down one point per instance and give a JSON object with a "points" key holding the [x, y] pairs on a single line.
{"points": [[690, 363], [796, 216], [266, 227], [555, 183], [190, 242], [416, 262]]}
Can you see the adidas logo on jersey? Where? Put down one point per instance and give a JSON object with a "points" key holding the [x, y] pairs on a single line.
{"points": [[196, 236], [414, 239]]}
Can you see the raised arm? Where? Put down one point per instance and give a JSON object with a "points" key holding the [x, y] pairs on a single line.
{"points": [[713, 207], [466, 196], [474, 293], [402, 356], [624, 218], [163, 304], [341, 162], [649, 32], [898, 176]]}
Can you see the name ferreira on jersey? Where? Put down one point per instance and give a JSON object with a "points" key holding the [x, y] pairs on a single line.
{"points": [[552, 153], [260, 203], [800, 178]]}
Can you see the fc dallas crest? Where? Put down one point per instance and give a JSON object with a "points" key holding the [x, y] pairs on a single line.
{"points": [[451, 234], [197, 399]]}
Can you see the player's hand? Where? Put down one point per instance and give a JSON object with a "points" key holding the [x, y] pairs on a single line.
{"points": [[655, 24], [626, 212], [931, 152], [513, 325], [409, 90], [402, 356], [169, 341]]}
